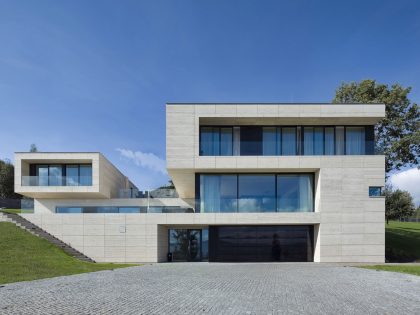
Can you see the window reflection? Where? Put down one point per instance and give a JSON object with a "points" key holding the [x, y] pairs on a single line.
{"points": [[256, 193]]}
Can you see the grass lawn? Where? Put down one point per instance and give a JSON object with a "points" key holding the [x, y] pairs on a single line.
{"points": [[24, 256], [402, 242], [414, 270]]}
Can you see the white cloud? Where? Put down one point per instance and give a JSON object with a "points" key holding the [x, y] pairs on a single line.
{"points": [[408, 180], [146, 160]]}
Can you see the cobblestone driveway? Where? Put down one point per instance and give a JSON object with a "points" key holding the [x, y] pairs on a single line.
{"points": [[187, 288]]}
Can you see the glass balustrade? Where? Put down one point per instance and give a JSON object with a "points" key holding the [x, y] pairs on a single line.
{"points": [[56, 180]]}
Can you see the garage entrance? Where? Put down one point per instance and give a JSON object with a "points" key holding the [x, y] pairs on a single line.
{"points": [[284, 243]]}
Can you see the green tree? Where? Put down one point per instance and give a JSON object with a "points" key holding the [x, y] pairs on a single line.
{"points": [[7, 180], [33, 148], [398, 204], [398, 134]]}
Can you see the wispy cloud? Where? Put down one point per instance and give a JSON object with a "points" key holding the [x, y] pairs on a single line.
{"points": [[408, 180], [144, 159]]}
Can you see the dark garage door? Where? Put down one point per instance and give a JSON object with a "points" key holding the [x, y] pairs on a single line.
{"points": [[291, 243]]}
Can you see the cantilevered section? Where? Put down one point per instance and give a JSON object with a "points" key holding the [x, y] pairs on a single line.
{"points": [[67, 175], [183, 136]]}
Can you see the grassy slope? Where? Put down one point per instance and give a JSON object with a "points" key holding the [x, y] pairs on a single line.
{"points": [[24, 256], [403, 239], [403, 243]]}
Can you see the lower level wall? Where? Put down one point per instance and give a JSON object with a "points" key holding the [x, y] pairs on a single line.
{"points": [[144, 237]]}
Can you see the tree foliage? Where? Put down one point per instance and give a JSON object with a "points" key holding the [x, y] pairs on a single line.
{"points": [[33, 148], [7, 180], [398, 134], [398, 204]]}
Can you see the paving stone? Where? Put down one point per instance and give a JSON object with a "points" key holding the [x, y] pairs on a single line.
{"points": [[216, 288]]}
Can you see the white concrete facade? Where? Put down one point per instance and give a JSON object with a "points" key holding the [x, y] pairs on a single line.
{"points": [[348, 224]]}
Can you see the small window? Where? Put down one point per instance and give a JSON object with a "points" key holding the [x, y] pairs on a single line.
{"points": [[375, 191]]}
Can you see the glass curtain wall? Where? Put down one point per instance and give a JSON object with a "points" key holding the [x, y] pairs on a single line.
{"points": [[72, 175], [61, 175], [288, 141], [275, 140], [329, 141], [42, 173], [355, 140], [295, 193], [218, 193], [85, 175], [256, 193], [216, 141]]}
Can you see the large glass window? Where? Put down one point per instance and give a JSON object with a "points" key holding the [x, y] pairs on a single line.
{"points": [[329, 140], [210, 141], [295, 193], [72, 175], [218, 193], [215, 141], [42, 173], [288, 145], [279, 140], [355, 140], [339, 140], [270, 141], [251, 140], [257, 193], [308, 140], [60, 175], [226, 141], [318, 141], [85, 175]]}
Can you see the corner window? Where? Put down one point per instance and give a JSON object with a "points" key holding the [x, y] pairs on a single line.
{"points": [[376, 191]]}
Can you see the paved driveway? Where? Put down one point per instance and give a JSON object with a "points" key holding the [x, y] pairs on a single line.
{"points": [[188, 288]]}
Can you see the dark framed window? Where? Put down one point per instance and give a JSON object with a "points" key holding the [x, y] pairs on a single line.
{"points": [[376, 191], [60, 175], [251, 140], [216, 141], [286, 140]]}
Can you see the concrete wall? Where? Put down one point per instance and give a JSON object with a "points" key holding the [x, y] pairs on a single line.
{"points": [[143, 237]]}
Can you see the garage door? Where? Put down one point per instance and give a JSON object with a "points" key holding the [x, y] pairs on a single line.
{"points": [[292, 243]]}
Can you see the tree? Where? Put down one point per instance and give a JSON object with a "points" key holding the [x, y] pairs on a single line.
{"points": [[398, 134], [398, 204], [7, 181], [169, 185], [33, 148]]}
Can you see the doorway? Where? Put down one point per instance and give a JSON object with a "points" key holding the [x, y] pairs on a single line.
{"points": [[187, 244]]}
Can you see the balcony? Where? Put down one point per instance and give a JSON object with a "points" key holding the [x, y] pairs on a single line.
{"points": [[38, 181]]}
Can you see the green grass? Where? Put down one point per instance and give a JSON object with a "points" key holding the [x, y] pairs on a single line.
{"points": [[414, 270], [12, 210], [24, 256], [402, 241]]}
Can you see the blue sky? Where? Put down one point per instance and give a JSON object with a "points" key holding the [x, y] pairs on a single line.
{"points": [[95, 75]]}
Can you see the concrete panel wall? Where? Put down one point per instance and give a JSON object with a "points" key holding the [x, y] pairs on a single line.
{"points": [[143, 237]]}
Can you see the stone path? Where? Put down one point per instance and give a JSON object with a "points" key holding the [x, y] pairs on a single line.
{"points": [[195, 288]]}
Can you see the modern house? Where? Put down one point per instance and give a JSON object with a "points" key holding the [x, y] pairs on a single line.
{"points": [[254, 182]]}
